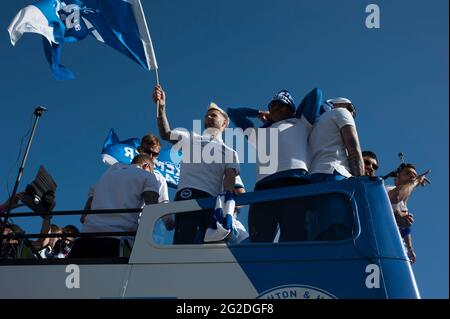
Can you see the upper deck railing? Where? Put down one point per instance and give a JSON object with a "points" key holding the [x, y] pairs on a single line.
{"points": [[352, 196]]}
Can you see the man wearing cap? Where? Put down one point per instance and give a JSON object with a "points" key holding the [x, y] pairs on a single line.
{"points": [[334, 144], [370, 163], [199, 176], [335, 155], [292, 127]]}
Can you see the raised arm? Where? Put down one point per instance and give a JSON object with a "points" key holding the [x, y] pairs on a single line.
{"points": [[45, 229], [402, 192], [11, 203], [239, 116], [351, 143], [310, 106], [159, 97]]}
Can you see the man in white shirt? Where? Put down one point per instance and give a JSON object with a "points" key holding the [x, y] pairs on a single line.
{"points": [[335, 155], [293, 127], [334, 144], [199, 178], [151, 146], [122, 186]]}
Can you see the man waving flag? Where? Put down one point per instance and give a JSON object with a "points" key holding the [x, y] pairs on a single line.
{"points": [[119, 24]]}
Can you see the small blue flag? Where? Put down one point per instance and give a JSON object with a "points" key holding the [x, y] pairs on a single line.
{"points": [[115, 150], [119, 24], [221, 224], [167, 164]]}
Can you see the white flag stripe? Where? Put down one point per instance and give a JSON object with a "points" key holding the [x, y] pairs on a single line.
{"points": [[145, 34], [30, 19], [93, 31], [108, 159]]}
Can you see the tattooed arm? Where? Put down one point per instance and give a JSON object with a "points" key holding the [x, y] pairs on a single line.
{"points": [[163, 123], [351, 143]]}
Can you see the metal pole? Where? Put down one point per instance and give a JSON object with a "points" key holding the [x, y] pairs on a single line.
{"points": [[37, 113], [157, 83]]}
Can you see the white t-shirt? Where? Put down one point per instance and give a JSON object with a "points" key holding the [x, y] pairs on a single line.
{"points": [[327, 150], [120, 187], [163, 191], [202, 172], [291, 149]]}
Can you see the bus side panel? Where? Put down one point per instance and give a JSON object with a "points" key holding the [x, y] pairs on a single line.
{"points": [[399, 279], [62, 281], [387, 236], [189, 280], [312, 279], [266, 280]]}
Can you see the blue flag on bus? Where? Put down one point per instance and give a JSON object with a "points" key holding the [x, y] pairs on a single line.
{"points": [[119, 24], [168, 163]]}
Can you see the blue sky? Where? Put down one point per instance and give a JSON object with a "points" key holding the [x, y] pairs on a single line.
{"points": [[239, 53]]}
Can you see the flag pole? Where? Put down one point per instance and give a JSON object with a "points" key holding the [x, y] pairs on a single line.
{"points": [[139, 15], [157, 77], [157, 102]]}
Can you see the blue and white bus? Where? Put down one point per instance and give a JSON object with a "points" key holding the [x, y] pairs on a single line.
{"points": [[365, 259]]}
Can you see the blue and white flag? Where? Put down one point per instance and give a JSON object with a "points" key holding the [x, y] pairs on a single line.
{"points": [[222, 223], [115, 150], [167, 164], [119, 24]]}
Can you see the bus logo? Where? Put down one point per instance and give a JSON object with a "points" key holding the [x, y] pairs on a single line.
{"points": [[296, 292]]}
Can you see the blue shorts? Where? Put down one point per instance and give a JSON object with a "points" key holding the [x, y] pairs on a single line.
{"points": [[405, 231]]}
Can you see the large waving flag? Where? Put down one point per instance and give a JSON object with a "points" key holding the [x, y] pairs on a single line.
{"points": [[168, 163], [119, 24]]}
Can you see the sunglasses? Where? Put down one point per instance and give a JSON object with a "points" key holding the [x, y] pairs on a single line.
{"points": [[348, 106], [154, 154], [369, 163], [148, 152], [351, 108]]}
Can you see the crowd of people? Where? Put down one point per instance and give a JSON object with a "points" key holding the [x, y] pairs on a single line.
{"points": [[14, 246], [317, 143]]}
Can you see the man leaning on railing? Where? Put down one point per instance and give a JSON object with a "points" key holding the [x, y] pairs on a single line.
{"points": [[122, 186]]}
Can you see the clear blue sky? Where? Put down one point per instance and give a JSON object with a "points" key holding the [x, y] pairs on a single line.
{"points": [[239, 53]]}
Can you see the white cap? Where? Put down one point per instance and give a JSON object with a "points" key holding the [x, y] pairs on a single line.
{"points": [[213, 106], [339, 100], [342, 100]]}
